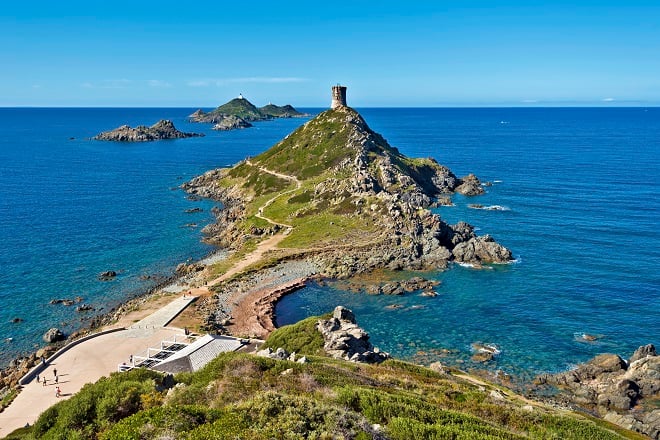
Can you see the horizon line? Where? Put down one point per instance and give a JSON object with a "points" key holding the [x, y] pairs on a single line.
{"points": [[558, 105]]}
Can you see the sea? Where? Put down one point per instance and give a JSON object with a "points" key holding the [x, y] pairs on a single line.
{"points": [[576, 192]]}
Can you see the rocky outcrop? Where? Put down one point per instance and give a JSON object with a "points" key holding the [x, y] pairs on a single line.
{"points": [[163, 129], [344, 339], [231, 122], [612, 387], [482, 249], [53, 335], [470, 186]]}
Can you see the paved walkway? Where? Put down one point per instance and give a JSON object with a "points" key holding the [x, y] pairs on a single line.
{"points": [[88, 362]]}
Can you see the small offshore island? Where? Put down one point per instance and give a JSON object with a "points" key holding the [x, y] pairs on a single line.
{"points": [[163, 129], [333, 200], [239, 113]]}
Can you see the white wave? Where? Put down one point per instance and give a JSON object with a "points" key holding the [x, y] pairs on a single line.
{"points": [[497, 181], [489, 207]]}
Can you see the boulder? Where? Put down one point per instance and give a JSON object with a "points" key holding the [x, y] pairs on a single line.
{"points": [[483, 249], [53, 335], [642, 352]]}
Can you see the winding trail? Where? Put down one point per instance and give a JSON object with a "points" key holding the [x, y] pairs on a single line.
{"points": [[260, 211]]}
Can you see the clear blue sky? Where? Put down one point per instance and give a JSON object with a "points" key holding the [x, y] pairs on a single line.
{"points": [[403, 53]]}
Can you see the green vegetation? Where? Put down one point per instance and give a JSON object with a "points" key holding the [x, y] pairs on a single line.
{"points": [[301, 337], [244, 396], [278, 112], [242, 108], [7, 399], [312, 149]]}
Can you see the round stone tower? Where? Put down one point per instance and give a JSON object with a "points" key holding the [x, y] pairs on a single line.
{"points": [[338, 96]]}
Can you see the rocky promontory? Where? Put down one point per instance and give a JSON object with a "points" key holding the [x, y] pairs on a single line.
{"points": [[369, 202], [163, 129]]}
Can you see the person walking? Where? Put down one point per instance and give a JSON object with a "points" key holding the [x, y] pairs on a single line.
{"points": [[44, 382], [58, 393], [38, 379], [55, 372]]}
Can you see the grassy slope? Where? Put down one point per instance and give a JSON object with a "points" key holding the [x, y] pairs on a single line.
{"points": [[244, 396]]}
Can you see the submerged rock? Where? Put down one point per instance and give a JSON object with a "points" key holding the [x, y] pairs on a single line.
{"points": [[163, 129], [107, 275]]}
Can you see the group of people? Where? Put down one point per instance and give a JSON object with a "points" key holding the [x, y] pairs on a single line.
{"points": [[56, 380]]}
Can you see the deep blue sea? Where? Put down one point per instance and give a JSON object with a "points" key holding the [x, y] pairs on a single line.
{"points": [[581, 186]]}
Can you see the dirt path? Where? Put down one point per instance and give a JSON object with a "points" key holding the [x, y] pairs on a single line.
{"points": [[260, 211]]}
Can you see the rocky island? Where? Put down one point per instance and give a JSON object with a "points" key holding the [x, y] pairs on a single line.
{"points": [[239, 113], [163, 129]]}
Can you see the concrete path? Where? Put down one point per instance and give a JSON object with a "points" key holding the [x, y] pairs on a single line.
{"points": [[88, 362]]}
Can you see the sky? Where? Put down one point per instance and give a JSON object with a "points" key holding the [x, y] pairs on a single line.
{"points": [[389, 54]]}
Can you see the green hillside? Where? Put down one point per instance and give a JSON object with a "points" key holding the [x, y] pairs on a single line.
{"points": [[276, 111], [242, 108], [242, 396]]}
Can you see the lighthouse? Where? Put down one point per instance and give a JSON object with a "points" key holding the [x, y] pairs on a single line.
{"points": [[338, 96]]}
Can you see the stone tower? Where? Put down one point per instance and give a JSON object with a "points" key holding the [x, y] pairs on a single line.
{"points": [[338, 96]]}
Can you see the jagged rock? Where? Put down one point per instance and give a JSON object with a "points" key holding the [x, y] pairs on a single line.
{"points": [[193, 210], [642, 352], [345, 340], [163, 129], [231, 122], [470, 186], [482, 249], [53, 335], [16, 320]]}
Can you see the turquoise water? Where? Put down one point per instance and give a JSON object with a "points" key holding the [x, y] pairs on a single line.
{"points": [[582, 187], [583, 191], [72, 208]]}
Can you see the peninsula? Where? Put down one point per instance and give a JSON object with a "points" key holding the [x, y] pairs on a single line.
{"points": [[346, 199], [163, 129]]}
